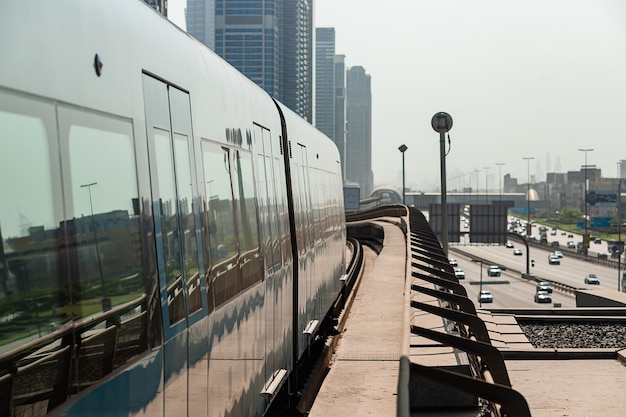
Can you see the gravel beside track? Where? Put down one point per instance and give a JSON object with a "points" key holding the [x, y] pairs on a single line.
{"points": [[575, 335]]}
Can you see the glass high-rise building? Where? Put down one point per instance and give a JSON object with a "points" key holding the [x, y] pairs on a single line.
{"points": [[200, 21], [325, 80], [359, 129], [270, 41], [330, 91], [296, 56], [340, 109], [247, 36]]}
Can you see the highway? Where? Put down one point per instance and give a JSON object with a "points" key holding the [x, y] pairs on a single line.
{"points": [[511, 290]]}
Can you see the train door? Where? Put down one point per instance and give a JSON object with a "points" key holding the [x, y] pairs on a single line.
{"points": [[306, 273], [175, 213], [266, 191]]}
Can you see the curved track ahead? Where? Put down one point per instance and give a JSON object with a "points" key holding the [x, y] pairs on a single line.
{"points": [[482, 340]]}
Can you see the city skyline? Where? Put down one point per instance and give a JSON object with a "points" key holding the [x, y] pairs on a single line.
{"points": [[538, 172], [255, 38], [518, 80]]}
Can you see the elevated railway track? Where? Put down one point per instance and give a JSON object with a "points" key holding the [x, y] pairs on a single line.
{"points": [[451, 356]]}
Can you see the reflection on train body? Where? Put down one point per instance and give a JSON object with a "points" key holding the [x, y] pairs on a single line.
{"points": [[148, 262]]}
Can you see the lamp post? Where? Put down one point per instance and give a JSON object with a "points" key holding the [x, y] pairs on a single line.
{"points": [[477, 171], [528, 226], [442, 123], [486, 184], [402, 149], [585, 167], [619, 230], [106, 305], [499, 164], [480, 289]]}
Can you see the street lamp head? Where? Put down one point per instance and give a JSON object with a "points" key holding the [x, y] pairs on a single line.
{"points": [[441, 122], [403, 148]]}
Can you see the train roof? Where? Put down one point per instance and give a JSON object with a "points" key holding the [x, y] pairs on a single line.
{"points": [[51, 49]]}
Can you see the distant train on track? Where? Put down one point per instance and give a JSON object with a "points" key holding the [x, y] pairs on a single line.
{"points": [[172, 238]]}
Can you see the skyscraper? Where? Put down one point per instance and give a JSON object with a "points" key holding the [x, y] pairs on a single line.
{"points": [[340, 109], [325, 80], [200, 21], [359, 129], [270, 41], [296, 55], [247, 36]]}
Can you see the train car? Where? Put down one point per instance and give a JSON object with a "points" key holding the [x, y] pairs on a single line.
{"points": [[172, 237]]}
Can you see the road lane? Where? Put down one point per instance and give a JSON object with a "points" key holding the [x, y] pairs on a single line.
{"points": [[511, 290]]}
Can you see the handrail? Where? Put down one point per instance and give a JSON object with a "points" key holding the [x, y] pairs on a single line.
{"points": [[492, 359], [485, 360], [512, 403]]}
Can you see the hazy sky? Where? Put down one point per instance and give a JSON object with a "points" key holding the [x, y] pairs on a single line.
{"points": [[539, 78]]}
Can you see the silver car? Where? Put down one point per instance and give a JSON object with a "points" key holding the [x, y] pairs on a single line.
{"points": [[592, 279], [554, 259], [544, 286], [543, 297]]}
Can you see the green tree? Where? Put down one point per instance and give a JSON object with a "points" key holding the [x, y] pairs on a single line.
{"points": [[570, 215]]}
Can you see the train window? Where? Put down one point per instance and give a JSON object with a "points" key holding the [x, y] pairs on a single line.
{"points": [[70, 248], [272, 198], [170, 229], [265, 186], [281, 217], [248, 237], [189, 265], [297, 203], [221, 220], [271, 169], [263, 213], [104, 250], [307, 191], [30, 279], [104, 225], [315, 204]]}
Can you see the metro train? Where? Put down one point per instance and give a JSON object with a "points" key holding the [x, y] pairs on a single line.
{"points": [[173, 238]]}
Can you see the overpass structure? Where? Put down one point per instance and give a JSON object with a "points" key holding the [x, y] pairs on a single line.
{"points": [[422, 200], [389, 194]]}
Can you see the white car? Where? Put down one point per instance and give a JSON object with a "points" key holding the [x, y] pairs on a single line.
{"points": [[453, 262], [459, 273], [494, 271], [485, 296]]}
